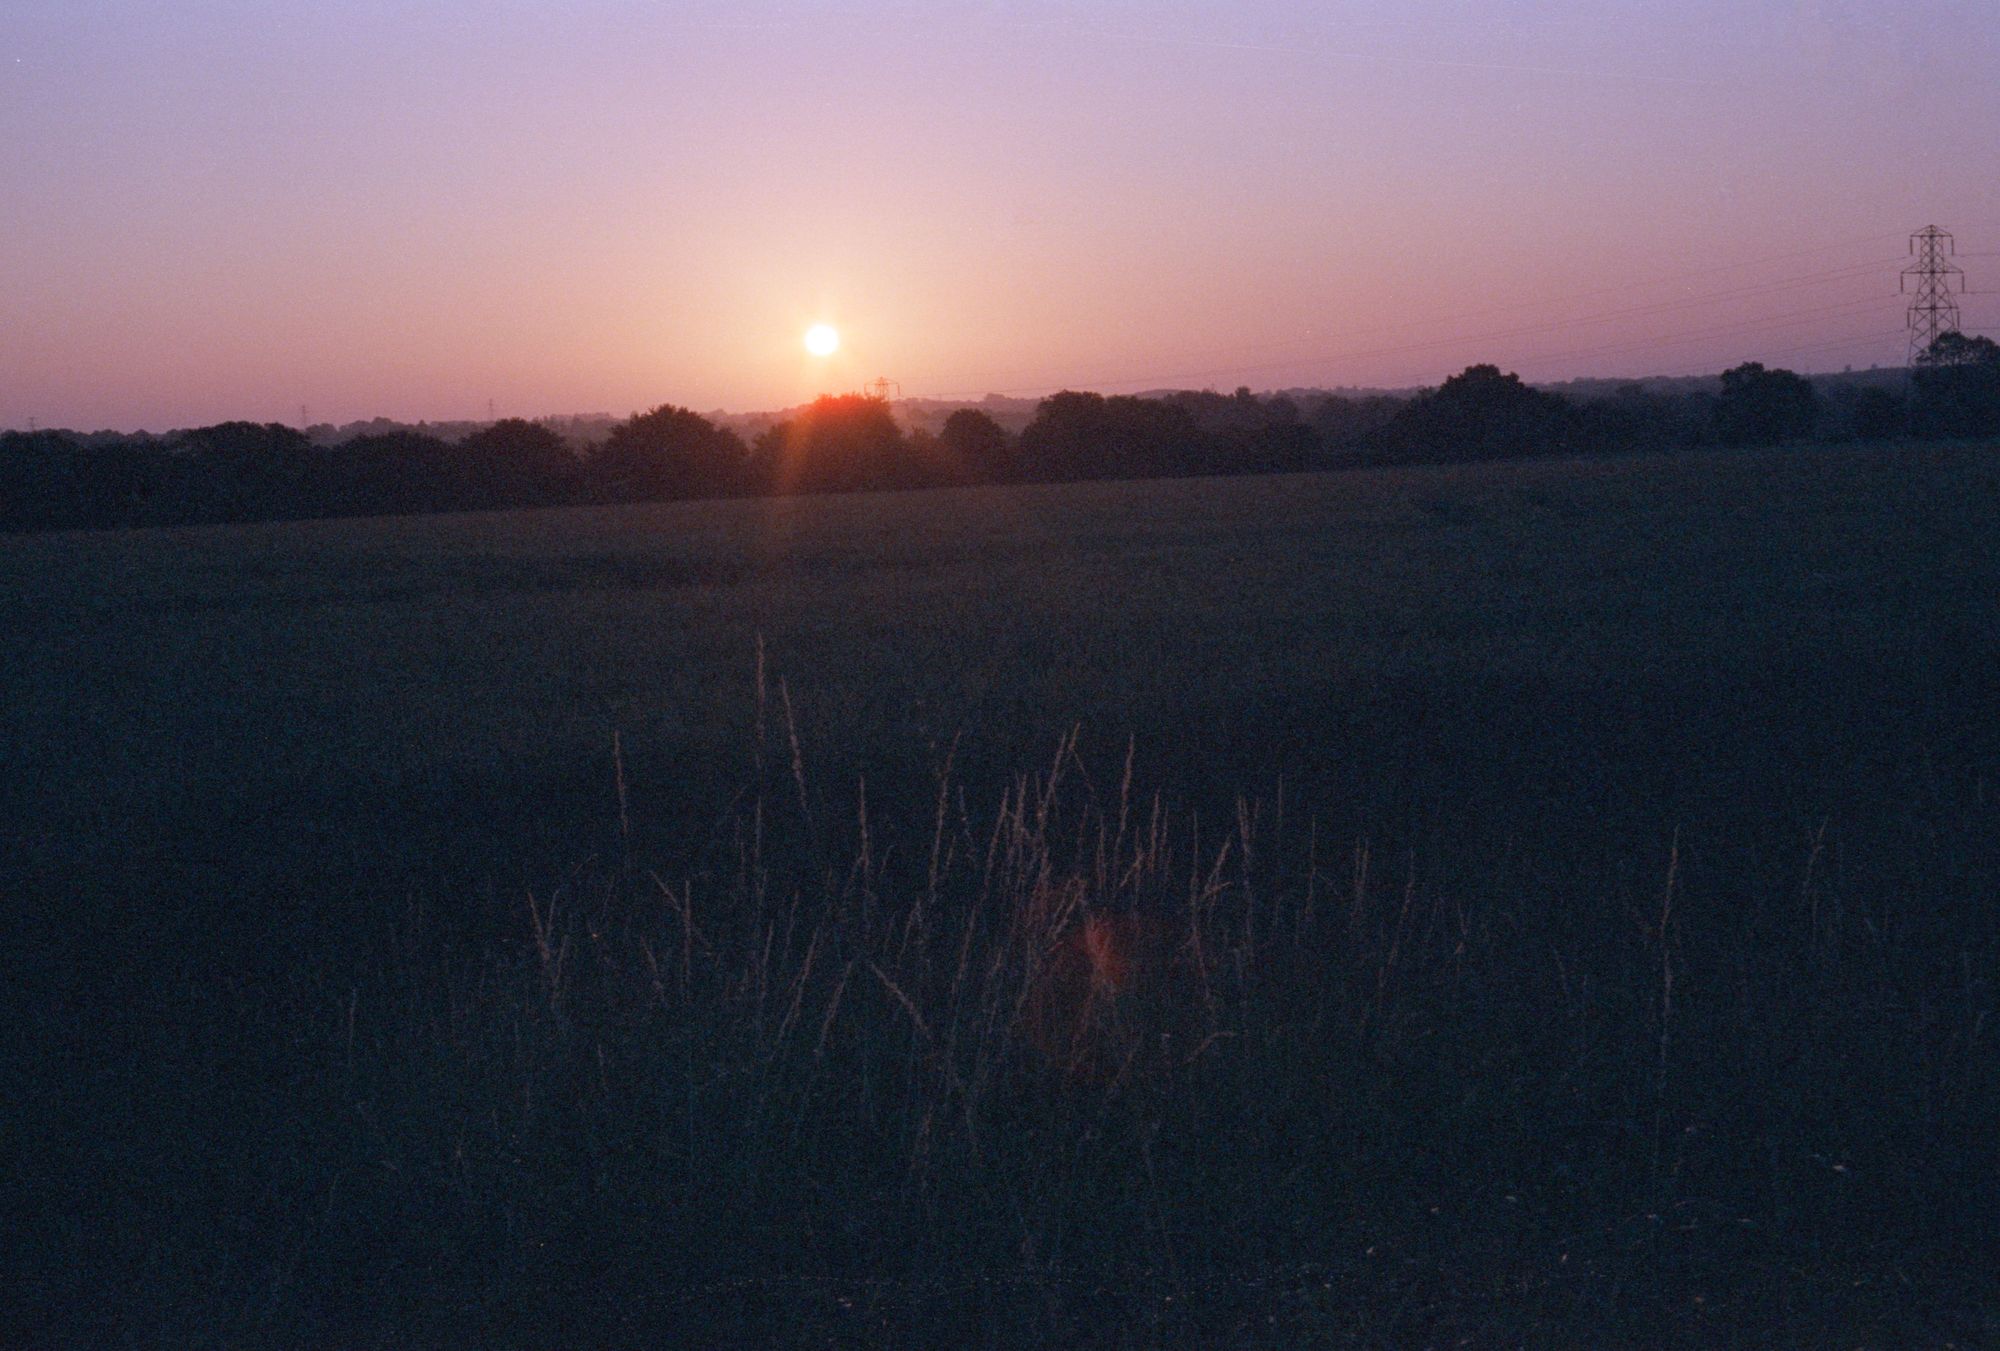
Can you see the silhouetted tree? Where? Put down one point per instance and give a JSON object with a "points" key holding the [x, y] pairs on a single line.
{"points": [[240, 471], [391, 474], [1089, 436], [1066, 439], [973, 440], [1283, 442], [1630, 420], [666, 453], [1957, 391], [1481, 413], [1243, 434], [1760, 407], [53, 480], [121, 479], [1350, 430], [840, 443], [1962, 349], [516, 463], [40, 481], [1876, 414]]}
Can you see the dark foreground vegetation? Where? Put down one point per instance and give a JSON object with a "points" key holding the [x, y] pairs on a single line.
{"points": [[1550, 905], [242, 471]]}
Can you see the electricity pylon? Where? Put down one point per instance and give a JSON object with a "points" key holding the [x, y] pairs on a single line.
{"points": [[1929, 283]]}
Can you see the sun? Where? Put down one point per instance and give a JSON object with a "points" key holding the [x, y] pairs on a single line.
{"points": [[822, 340]]}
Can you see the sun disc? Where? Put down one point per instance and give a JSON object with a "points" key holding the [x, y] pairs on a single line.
{"points": [[822, 340]]}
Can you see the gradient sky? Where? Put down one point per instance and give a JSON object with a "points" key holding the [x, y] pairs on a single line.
{"points": [[410, 207]]}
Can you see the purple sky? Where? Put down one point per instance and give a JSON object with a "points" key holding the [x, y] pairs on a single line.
{"points": [[409, 207]]}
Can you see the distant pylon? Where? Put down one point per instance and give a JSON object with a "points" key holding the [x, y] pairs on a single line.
{"points": [[1928, 282], [881, 387]]}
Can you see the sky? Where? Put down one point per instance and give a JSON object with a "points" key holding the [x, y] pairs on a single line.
{"points": [[215, 209]]}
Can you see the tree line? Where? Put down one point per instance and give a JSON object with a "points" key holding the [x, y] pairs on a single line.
{"points": [[242, 471]]}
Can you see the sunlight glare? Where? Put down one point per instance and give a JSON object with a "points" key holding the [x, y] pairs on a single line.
{"points": [[822, 340]]}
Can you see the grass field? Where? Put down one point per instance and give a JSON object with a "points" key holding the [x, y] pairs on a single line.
{"points": [[1575, 888]]}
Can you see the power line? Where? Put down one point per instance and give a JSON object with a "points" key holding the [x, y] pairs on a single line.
{"points": [[1762, 288], [1622, 288], [1883, 339], [1845, 272], [1535, 329], [1764, 324]]}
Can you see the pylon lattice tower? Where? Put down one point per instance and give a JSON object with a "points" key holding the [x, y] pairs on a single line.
{"points": [[1930, 284]]}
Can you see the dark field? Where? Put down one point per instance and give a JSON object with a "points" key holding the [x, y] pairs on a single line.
{"points": [[1574, 888]]}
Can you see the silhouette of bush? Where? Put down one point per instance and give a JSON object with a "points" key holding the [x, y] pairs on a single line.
{"points": [[516, 463], [1244, 434], [1350, 430], [239, 471], [395, 473], [1957, 393], [1761, 407], [244, 471], [977, 446], [1877, 415], [1480, 414], [39, 484], [669, 452], [838, 444], [1088, 436]]}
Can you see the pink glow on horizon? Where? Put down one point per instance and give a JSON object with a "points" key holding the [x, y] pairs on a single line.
{"points": [[227, 209]]}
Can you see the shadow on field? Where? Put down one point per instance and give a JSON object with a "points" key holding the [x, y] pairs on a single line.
{"points": [[1508, 1037], [1628, 992]]}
